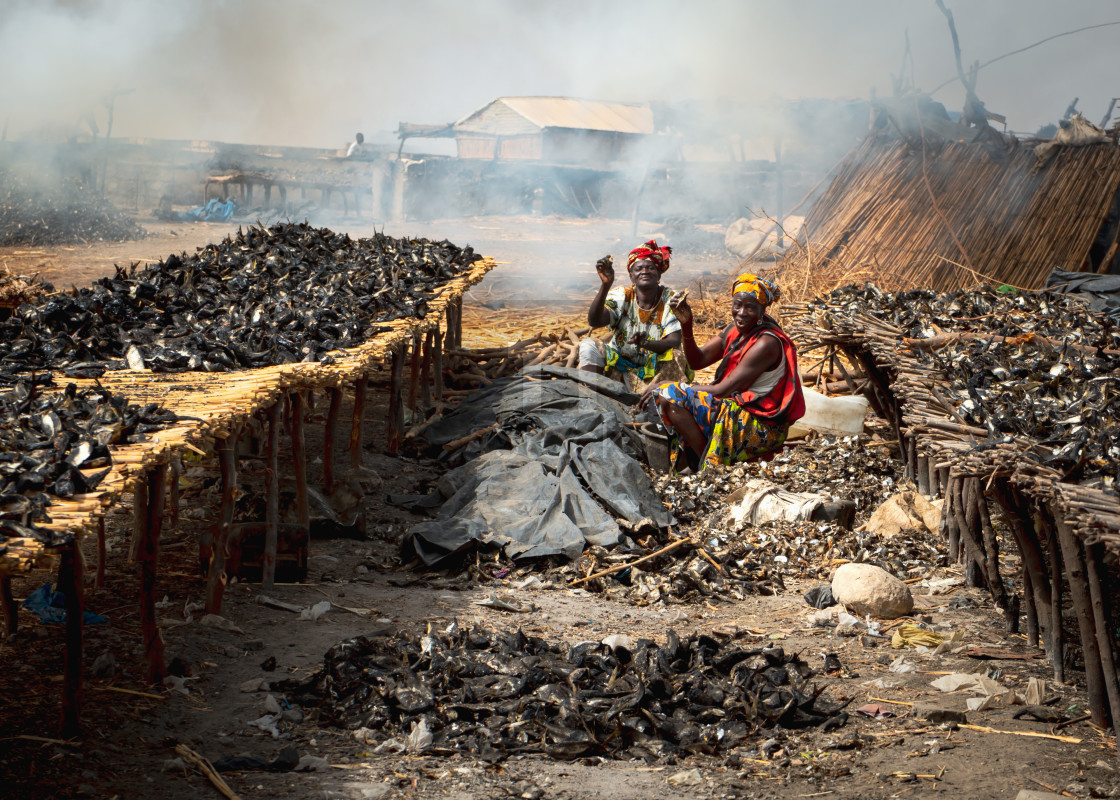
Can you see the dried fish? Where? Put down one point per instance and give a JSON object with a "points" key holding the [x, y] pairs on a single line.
{"points": [[493, 694], [285, 294]]}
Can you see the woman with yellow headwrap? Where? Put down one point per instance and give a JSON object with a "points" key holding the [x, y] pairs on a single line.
{"points": [[747, 411]]}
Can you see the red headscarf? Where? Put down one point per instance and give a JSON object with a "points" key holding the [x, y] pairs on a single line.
{"points": [[658, 255]]}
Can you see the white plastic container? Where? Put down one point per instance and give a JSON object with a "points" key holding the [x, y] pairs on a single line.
{"points": [[834, 416]]}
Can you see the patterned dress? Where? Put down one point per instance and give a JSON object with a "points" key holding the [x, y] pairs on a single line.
{"points": [[742, 427], [626, 319]]}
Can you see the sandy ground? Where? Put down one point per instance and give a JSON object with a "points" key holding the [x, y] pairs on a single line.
{"points": [[131, 728]]}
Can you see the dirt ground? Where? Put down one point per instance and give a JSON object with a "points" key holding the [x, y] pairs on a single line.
{"points": [[131, 728]]}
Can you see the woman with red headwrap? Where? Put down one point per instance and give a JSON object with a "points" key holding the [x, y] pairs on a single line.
{"points": [[645, 329], [756, 394]]}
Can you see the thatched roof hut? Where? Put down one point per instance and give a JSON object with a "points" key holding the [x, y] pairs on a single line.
{"points": [[945, 214]]}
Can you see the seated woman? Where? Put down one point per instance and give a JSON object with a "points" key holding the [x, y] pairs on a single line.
{"points": [[645, 329], [747, 412]]}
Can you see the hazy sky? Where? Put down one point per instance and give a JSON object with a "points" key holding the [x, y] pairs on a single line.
{"points": [[311, 73]]}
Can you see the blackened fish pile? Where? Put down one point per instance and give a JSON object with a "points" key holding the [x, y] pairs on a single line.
{"points": [[281, 295], [1052, 376], [494, 694], [65, 213], [56, 445]]}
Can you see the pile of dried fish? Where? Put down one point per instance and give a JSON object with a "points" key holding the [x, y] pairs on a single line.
{"points": [[1036, 366], [56, 445], [269, 296], [63, 213], [493, 694]]}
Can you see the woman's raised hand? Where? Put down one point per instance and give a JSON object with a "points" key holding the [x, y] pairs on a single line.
{"points": [[605, 267], [678, 303]]}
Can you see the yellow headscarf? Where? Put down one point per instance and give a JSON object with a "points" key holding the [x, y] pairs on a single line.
{"points": [[763, 290]]}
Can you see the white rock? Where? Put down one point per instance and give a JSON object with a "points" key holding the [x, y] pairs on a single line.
{"points": [[865, 589]]}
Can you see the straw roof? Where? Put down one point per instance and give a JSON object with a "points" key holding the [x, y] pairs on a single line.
{"points": [[950, 214]]}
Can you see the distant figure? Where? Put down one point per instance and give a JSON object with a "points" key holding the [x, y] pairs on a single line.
{"points": [[356, 146]]}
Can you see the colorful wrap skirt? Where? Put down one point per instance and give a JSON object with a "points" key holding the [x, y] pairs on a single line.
{"points": [[733, 432]]}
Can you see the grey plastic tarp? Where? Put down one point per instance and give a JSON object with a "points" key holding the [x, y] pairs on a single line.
{"points": [[1101, 292], [555, 475]]}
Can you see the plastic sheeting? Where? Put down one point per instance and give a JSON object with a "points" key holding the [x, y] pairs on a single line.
{"points": [[568, 473], [1101, 292]]}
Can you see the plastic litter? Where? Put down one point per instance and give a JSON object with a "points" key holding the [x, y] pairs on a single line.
{"points": [[689, 777], [419, 738], [314, 612], [50, 607]]}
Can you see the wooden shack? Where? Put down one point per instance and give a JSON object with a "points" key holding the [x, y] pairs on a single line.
{"points": [[556, 130]]}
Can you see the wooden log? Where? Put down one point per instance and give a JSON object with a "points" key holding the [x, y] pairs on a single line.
{"points": [[970, 550], [462, 441], [923, 475], [1030, 613], [328, 438], [11, 609], [394, 423], [1036, 579], [1094, 555], [1082, 607], [272, 496], [217, 578], [148, 519], [299, 458], [991, 560], [71, 584], [102, 553], [357, 424]]}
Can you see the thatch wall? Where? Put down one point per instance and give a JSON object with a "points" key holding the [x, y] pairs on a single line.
{"points": [[884, 215]]}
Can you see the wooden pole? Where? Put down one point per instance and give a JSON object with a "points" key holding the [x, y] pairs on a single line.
{"points": [[272, 499], [395, 422], [1030, 613], [426, 375], [102, 553], [299, 458], [173, 491], [437, 366], [1056, 650], [1082, 607], [11, 609], [217, 579], [1105, 639], [357, 423], [328, 439], [70, 583], [414, 374], [147, 519]]}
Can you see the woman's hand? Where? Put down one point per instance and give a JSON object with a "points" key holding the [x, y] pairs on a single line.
{"points": [[681, 309], [605, 267], [637, 339], [650, 391]]}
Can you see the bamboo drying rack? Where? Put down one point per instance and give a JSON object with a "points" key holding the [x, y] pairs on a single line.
{"points": [[220, 404], [1060, 529]]}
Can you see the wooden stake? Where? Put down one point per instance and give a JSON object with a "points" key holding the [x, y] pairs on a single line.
{"points": [[357, 422], [147, 519], [1079, 595], [328, 439], [272, 498], [102, 554], [425, 375], [217, 578], [299, 458], [11, 609], [395, 423], [437, 366], [414, 373], [70, 583], [173, 492], [1093, 560]]}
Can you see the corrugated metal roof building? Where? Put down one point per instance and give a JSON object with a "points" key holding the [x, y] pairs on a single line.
{"points": [[558, 130]]}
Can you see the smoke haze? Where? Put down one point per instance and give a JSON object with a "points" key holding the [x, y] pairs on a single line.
{"points": [[288, 72]]}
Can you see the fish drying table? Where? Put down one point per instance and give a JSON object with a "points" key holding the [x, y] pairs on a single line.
{"points": [[1060, 528], [220, 404]]}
